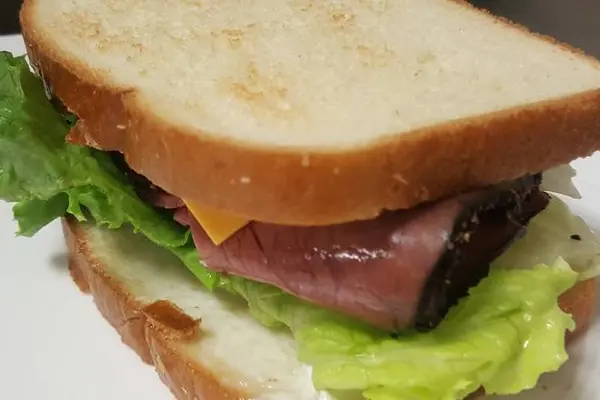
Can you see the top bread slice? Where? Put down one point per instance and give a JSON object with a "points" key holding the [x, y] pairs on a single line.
{"points": [[314, 112], [193, 337]]}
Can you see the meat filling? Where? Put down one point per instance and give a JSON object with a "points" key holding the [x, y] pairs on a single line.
{"points": [[404, 269]]}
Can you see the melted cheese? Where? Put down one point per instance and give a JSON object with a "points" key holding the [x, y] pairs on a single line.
{"points": [[218, 225]]}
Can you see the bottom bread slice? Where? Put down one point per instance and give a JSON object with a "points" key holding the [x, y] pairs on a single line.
{"points": [[203, 346]]}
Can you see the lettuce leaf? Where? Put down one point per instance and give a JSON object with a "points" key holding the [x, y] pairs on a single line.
{"points": [[48, 178], [503, 336], [556, 232], [560, 180]]}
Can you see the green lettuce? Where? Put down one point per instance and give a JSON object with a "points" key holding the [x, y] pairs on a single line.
{"points": [[48, 178], [503, 336]]}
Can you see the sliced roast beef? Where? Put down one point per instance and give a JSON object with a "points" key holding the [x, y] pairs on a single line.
{"points": [[403, 269]]}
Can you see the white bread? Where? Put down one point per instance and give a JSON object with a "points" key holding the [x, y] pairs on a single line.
{"points": [[346, 107], [156, 305]]}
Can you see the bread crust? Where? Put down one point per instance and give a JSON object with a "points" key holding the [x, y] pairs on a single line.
{"points": [[156, 339], [315, 187], [580, 302]]}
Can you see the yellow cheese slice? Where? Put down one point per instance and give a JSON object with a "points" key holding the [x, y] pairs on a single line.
{"points": [[218, 225]]}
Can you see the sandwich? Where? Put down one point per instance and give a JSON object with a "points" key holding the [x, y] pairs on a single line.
{"points": [[302, 200]]}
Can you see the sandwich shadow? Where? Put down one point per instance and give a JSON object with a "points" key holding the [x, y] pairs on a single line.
{"points": [[59, 262]]}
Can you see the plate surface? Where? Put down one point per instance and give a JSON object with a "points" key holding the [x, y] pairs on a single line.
{"points": [[56, 346]]}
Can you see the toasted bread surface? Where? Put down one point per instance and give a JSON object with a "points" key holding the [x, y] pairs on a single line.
{"points": [[386, 104], [203, 347]]}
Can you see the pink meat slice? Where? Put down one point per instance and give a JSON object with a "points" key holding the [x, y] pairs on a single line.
{"points": [[402, 269]]}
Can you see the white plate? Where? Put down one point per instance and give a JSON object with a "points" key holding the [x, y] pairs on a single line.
{"points": [[54, 345]]}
